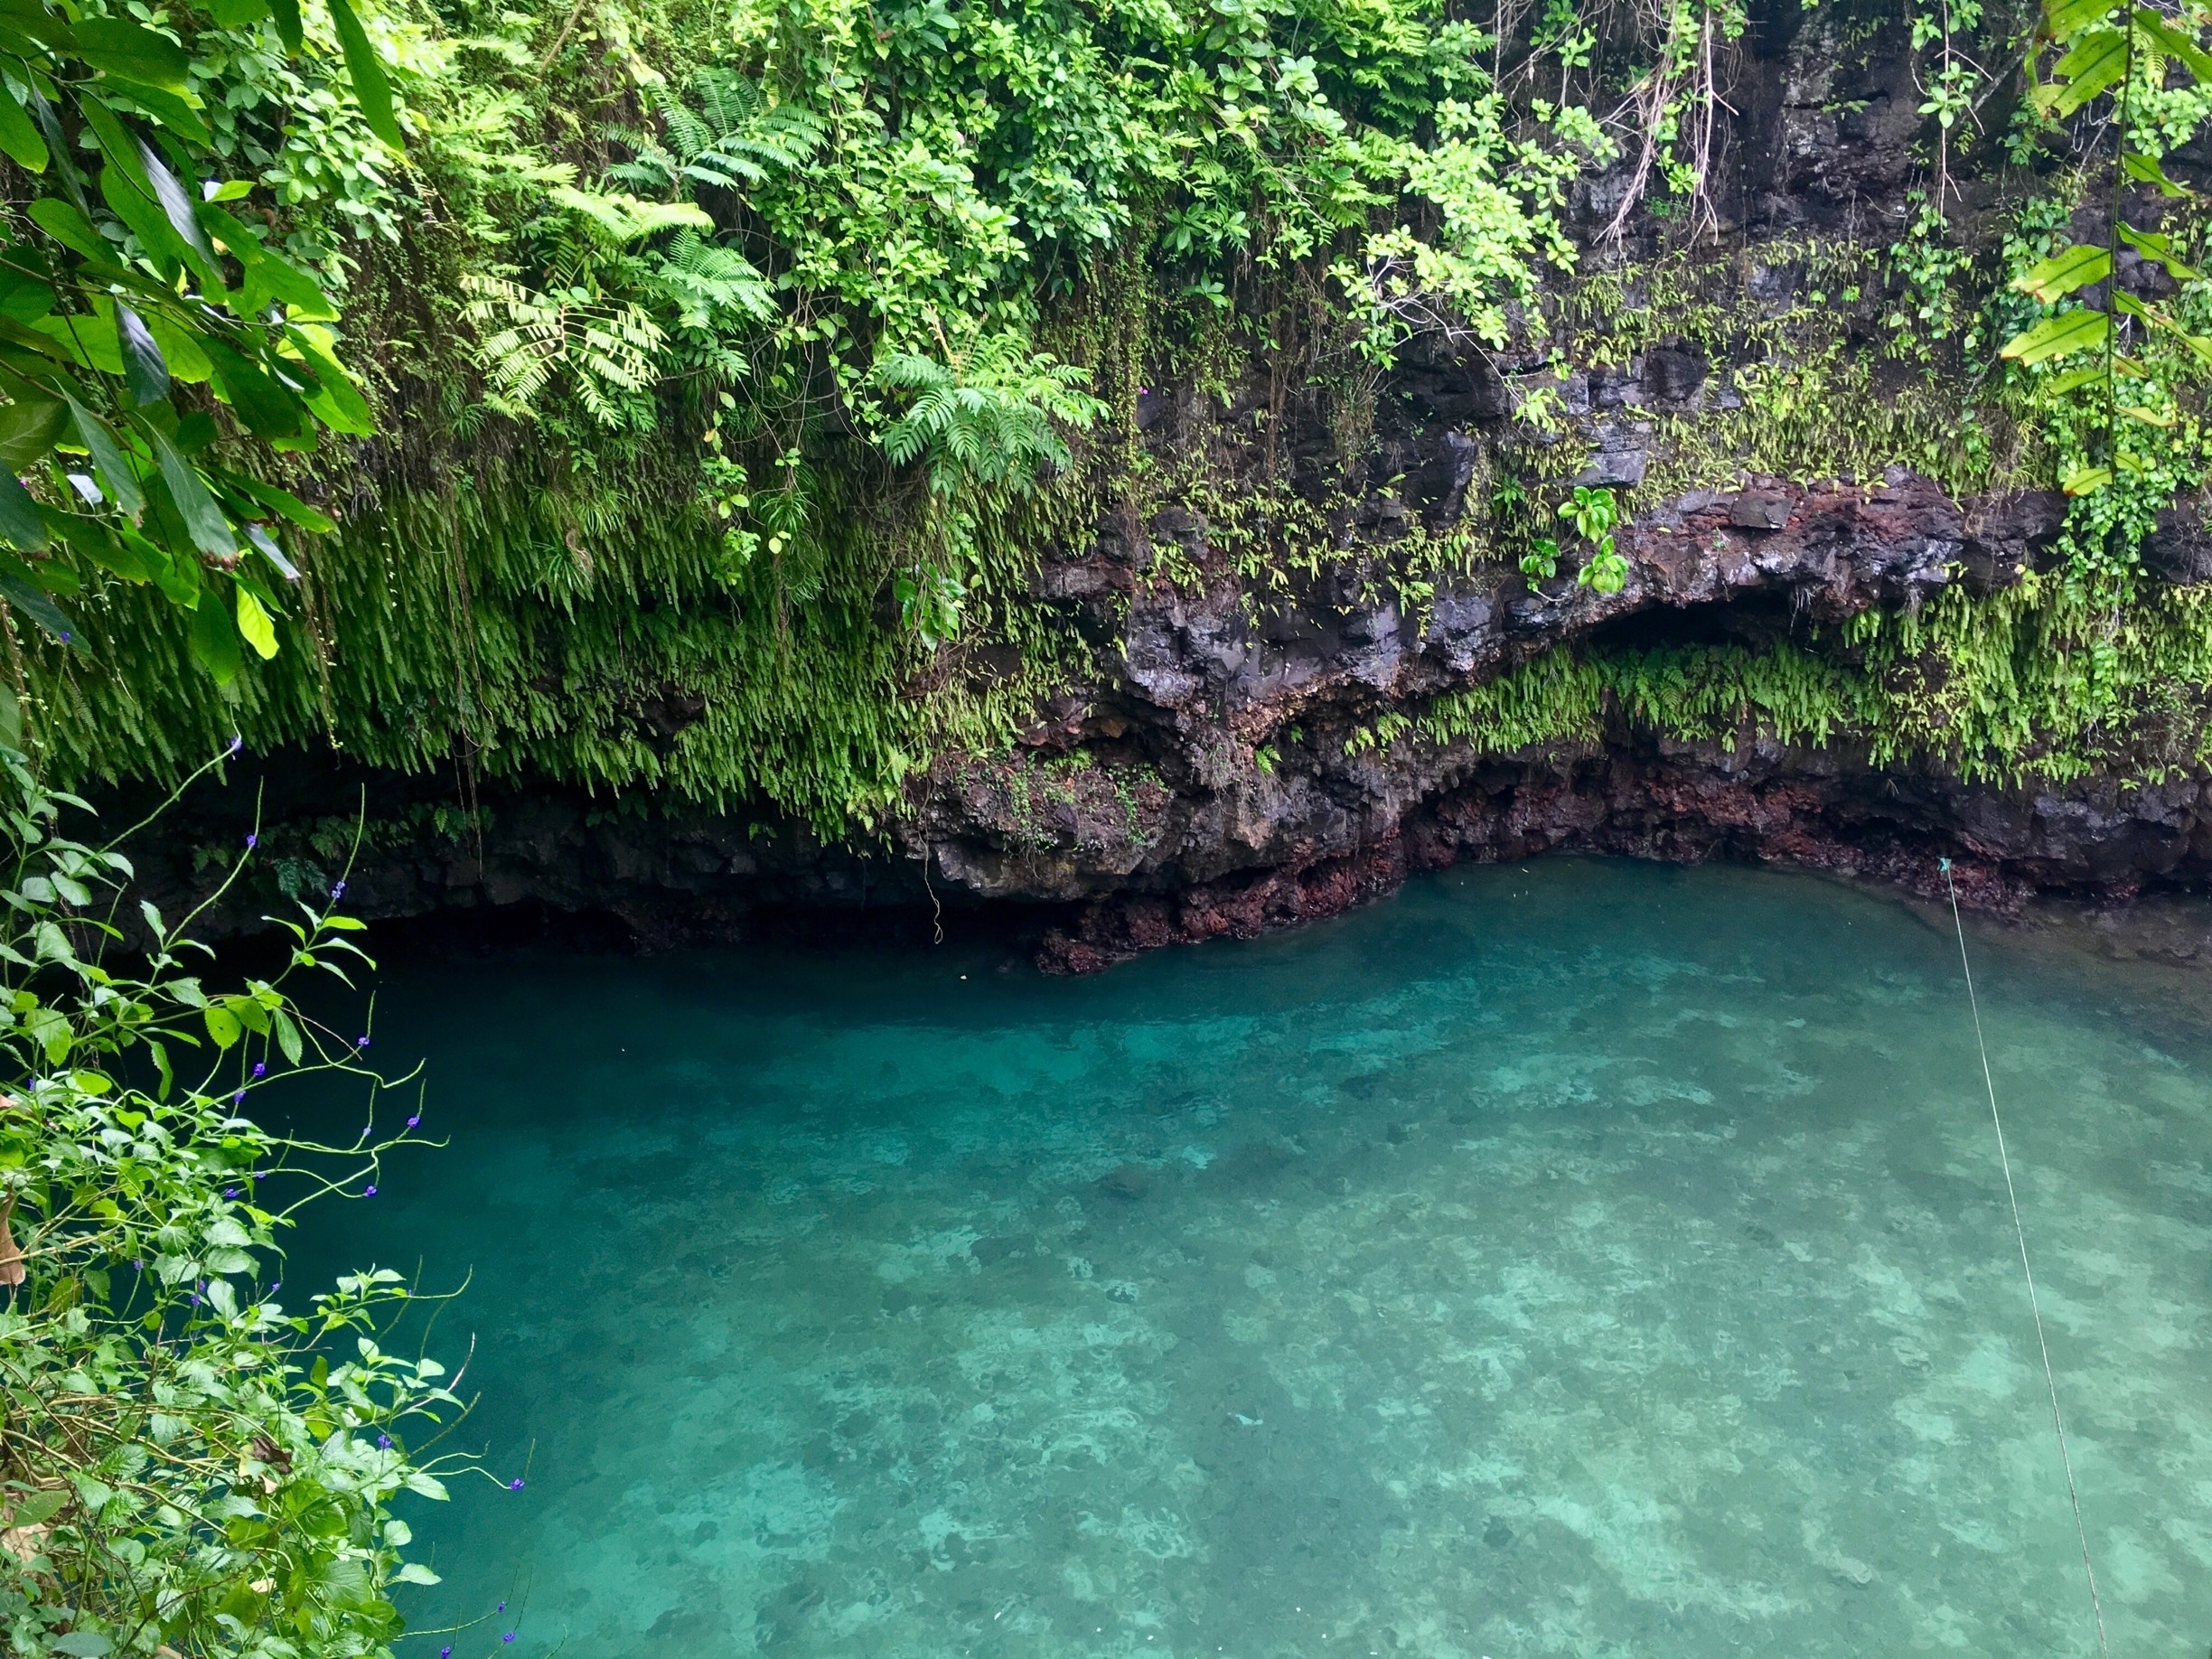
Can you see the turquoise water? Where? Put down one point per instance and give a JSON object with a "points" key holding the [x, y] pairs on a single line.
{"points": [[1588, 1259]]}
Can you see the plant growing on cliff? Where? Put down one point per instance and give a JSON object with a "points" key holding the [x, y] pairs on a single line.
{"points": [[2123, 398], [125, 279], [1594, 513], [189, 1467]]}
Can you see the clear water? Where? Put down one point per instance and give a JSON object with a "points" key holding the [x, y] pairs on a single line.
{"points": [[1590, 1259]]}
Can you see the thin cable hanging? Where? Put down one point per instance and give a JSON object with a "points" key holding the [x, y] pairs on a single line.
{"points": [[2019, 1232]]}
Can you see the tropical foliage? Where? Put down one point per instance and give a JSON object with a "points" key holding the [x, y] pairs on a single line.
{"points": [[190, 1466]]}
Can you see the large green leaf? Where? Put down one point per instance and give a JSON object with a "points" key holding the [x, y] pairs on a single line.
{"points": [[2065, 19], [265, 407], [2145, 170], [19, 136], [2059, 336], [2096, 62], [371, 90], [116, 475], [63, 221], [50, 617], [134, 54], [203, 520], [2154, 245], [20, 522], [28, 429], [2174, 43], [215, 642], [283, 502], [144, 369], [176, 206], [2074, 267]]}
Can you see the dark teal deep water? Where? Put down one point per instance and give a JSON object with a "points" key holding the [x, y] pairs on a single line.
{"points": [[1589, 1259]]}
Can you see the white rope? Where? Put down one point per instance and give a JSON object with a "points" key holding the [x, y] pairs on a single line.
{"points": [[2019, 1232]]}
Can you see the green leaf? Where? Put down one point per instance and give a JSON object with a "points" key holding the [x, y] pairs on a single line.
{"points": [[117, 144], [2145, 170], [222, 1025], [203, 520], [288, 1037], [168, 110], [2074, 380], [237, 13], [68, 226], [23, 297], [2153, 246], [2176, 43], [285, 503], [269, 278], [116, 475], [144, 371], [339, 404], [40, 609], [2086, 480], [2058, 336], [268, 547], [415, 1572], [20, 522], [176, 206], [370, 89], [254, 623], [83, 1645], [2142, 416], [2095, 63], [267, 407], [215, 640], [2073, 268], [19, 135], [287, 13], [2064, 19], [28, 430], [134, 54], [137, 210], [39, 1506]]}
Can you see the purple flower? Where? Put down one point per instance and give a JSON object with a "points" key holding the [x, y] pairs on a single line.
{"points": [[512, 1486], [230, 1191], [369, 1192], [138, 1262], [337, 889], [260, 1068], [261, 1175], [508, 1637], [238, 1099], [445, 1653], [276, 1286], [361, 1043], [236, 742], [384, 1442], [252, 841], [501, 1609], [414, 1121]]}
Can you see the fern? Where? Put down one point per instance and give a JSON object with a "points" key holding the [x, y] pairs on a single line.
{"points": [[986, 417]]}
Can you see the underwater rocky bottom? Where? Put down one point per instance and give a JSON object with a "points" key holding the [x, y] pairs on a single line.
{"points": [[1579, 1257]]}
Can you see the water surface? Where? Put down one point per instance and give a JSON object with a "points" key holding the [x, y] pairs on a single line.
{"points": [[1588, 1259]]}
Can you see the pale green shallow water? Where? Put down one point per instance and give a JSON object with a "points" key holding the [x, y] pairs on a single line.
{"points": [[1593, 1259]]}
